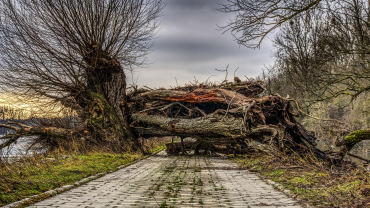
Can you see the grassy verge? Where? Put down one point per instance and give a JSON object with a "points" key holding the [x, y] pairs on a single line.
{"points": [[318, 185], [35, 175]]}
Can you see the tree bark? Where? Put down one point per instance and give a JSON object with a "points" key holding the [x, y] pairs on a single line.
{"points": [[105, 101]]}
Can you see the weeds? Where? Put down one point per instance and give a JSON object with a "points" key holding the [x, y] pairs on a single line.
{"points": [[316, 184]]}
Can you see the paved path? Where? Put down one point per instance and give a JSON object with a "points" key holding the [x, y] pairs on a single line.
{"points": [[180, 181]]}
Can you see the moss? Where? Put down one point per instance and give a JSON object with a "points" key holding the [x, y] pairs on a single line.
{"points": [[355, 137], [97, 120], [100, 96], [299, 180], [351, 185], [109, 114]]}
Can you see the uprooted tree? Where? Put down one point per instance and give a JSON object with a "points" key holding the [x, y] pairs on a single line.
{"points": [[75, 53]]}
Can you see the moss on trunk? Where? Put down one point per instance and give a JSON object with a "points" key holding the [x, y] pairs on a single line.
{"points": [[355, 137]]}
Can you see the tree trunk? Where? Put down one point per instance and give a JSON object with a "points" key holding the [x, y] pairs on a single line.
{"points": [[105, 102]]}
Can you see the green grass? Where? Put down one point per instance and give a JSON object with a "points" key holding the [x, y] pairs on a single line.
{"points": [[38, 174], [320, 185], [21, 181]]}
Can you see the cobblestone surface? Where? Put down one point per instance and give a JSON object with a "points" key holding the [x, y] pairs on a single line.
{"points": [[174, 181]]}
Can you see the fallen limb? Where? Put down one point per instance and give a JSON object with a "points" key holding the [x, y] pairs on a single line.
{"points": [[9, 127], [358, 157], [230, 114], [19, 124]]}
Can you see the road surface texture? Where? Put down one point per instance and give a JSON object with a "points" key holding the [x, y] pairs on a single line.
{"points": [[174, 181]]}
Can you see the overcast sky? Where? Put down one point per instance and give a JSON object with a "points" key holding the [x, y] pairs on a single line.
{"points": [[189, 44]]}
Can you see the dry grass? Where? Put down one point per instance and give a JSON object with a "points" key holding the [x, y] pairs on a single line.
{"points": [[320, 185], [155, 144]]}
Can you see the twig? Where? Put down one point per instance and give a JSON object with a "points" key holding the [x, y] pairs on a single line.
{"points": [[247, 78], [19, 124], [300, 110], [358, 157], [148, 87], [195, 80], [156, 201], [208, 79], [202, 112], [235, 71], [229, 103], [227, 73], [7, 136], [13, 139], [176, 82]]}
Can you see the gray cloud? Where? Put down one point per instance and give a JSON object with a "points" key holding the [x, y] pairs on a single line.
{"points": [[189, 45]]}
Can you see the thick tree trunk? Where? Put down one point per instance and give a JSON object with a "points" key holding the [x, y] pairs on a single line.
{"points": [[105, 102]]}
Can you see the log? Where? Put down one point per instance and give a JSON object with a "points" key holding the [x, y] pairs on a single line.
{"points": [[230, 114], [201, 96]]}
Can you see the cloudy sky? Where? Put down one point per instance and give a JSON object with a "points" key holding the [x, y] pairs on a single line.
{"points": [[189, 44]]}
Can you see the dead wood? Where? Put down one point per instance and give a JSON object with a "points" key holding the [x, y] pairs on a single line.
{"points": [[228, 118], [43, 132], [231, 112]]}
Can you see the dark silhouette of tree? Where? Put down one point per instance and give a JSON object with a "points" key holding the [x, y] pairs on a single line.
{"points": [[76, 52]]}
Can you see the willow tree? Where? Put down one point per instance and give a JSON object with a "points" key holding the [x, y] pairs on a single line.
{"points": [[76, 52]]}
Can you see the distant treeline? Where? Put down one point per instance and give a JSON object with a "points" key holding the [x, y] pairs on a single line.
{"points": [[11, 113], [8, 113]]}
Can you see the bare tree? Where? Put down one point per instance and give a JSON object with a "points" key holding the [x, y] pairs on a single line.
{"points": [[76, 52], [257, 18], [326, 54]]}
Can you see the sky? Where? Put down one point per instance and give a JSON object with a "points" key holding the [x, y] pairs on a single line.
{"points": [[189, 44]]}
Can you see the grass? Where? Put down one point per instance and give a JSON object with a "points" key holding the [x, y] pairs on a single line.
{"points": [[318, 185], [35, 175], [18, 182]]}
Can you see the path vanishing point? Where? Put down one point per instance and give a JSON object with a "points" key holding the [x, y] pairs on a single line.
{"points": [[174, 181]]}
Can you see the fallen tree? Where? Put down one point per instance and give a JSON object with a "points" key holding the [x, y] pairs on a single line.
{"points": [[63, 59], [229, 114]]}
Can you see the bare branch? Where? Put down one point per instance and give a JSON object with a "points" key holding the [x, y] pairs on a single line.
{"points": [[19, 124], [10, 127]]}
